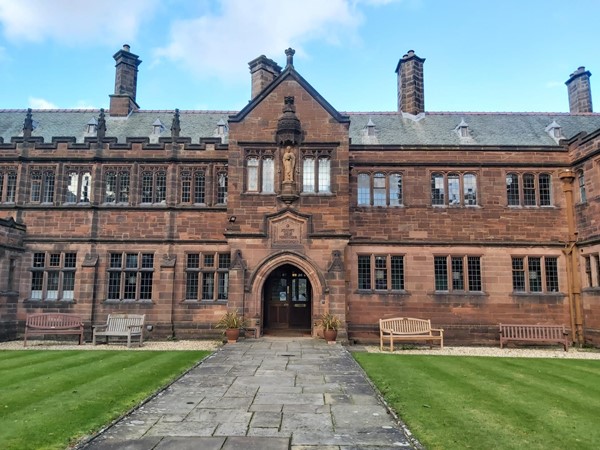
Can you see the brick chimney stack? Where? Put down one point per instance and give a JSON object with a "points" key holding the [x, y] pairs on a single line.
{"points": [[263, 71], [411, 93], [580, 91], [122, 102]]}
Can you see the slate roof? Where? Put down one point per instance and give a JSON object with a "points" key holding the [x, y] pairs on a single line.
{"points": [[391, 128], [73, 123], [485, 129]]}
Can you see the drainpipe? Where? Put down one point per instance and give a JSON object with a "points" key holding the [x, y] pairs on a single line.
{"points": [[570, 251]]}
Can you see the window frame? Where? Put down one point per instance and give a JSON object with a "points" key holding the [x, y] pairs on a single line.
{"points": [[8, 184], [207, 277], [193, 185], [316, 177], [375, 189], [449, 189], [153, 182], [260, 176], [42, 184], [535, 274], [381, 273], [54, 273], [581, 185], [457, 273], [121, 184], [80, 174], [133, 281], [532, 189]]}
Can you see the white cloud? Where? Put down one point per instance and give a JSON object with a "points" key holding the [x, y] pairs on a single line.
{"points": [[219, 44], [41, 103], [554, 84], [73, 22], [84, 104]]}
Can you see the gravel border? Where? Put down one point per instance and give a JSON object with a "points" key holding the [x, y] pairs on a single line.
{"points": [[211, 345], [510, 352], [148, 345]]}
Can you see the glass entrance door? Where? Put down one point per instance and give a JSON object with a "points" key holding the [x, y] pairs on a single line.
{"points": [[287, 299]]}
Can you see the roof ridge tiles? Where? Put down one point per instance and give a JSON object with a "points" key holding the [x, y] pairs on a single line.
{"points": [[472, 113]]}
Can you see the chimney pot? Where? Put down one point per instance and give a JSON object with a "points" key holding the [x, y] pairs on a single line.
{"points": [[411, 93], [263, 71], [122, 102], [580, 91]]}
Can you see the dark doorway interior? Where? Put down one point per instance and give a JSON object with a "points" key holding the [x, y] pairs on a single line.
{"points": [[287, 300]]}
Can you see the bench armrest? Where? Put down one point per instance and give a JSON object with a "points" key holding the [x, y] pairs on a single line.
{"points": [[441, 330], [98, 327]]}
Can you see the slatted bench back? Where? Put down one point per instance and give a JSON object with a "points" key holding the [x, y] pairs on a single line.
{"points": [[533, 332], [54, 321], [404, 325], [124, 322]]}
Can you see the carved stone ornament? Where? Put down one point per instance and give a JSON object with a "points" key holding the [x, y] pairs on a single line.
{"points": [[337, 263], [168, 260], [238, 261], [289, 130], [90, 260]]}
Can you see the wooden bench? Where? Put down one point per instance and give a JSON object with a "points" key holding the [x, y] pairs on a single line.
{"points": [[121, 325], [534, 333], [40, 324], [408, 329]]}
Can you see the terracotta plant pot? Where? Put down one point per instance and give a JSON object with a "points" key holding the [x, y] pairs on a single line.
{"points": [[232, 334], [330, 335]]}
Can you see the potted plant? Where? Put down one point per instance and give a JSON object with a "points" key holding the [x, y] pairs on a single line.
{"points": [[231, 321], [330, 324]]}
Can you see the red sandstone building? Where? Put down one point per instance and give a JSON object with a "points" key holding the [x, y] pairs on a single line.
{"points": [[290, 208]]}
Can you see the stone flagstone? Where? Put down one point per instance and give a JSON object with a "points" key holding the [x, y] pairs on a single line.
{"points": [[268, 393]]}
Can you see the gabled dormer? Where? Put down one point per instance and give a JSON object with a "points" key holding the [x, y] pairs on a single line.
{"points": [[277, 79]]}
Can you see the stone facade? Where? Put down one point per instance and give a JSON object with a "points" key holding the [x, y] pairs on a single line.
{"points": [[289, 209]]}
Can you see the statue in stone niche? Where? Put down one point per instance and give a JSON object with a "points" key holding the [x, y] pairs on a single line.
{"points": [[289, 162]]}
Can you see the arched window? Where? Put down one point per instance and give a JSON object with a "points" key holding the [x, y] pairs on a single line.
{"points": [[116, 186], [79, 186], [42, 186], [268, 175], [260, 172], [316, 173], [222, 188], [308, 175], [154, 186]]}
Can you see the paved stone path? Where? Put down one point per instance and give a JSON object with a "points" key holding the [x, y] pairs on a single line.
{"points": [[269, 393]]}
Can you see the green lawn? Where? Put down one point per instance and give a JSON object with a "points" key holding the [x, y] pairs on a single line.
{"points": [[49, 399], [451, 402]]}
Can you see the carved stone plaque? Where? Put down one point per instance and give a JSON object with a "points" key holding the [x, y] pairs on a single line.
{"points": [[288, 230]]}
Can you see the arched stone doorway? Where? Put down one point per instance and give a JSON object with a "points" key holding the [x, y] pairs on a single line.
{"points": [[287, 301]]}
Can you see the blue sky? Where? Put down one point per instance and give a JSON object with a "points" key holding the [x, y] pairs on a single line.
{"points": [[509, 55]]}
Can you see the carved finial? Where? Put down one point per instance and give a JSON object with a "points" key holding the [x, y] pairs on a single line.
{"points": [[101, 129], [290, 57], [175, 125], [28, 124]]}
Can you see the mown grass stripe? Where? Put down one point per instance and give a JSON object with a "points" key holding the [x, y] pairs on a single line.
{"points": [[83, 398], [503, 403]]}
